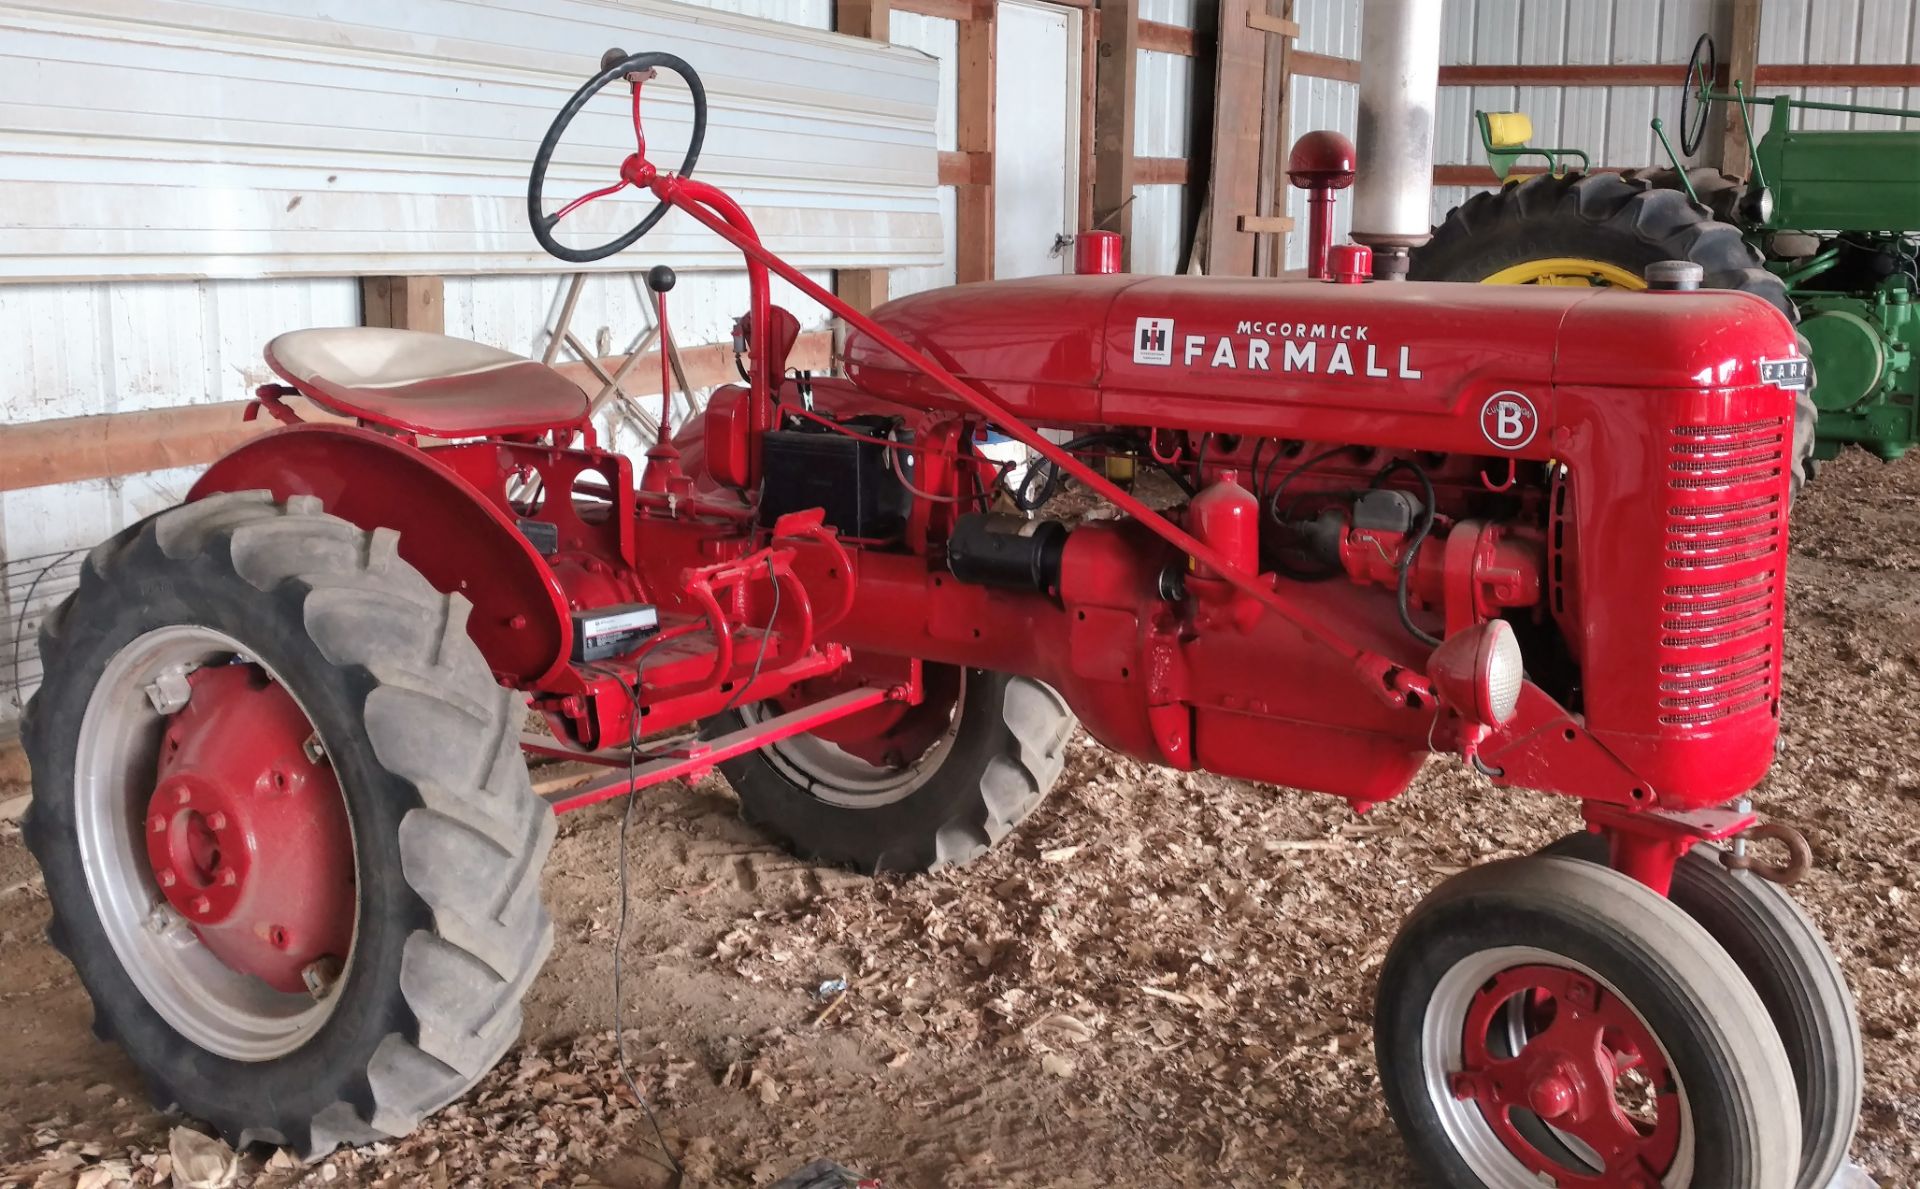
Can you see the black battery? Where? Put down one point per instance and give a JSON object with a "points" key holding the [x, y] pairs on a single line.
{"points": [[851, 480]]}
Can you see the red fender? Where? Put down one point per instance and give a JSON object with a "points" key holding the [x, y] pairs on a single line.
{"points": [[461, 541]]}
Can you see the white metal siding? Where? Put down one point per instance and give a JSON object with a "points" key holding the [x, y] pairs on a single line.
{"points": [[191, 138], [1842, 31], [1162, 115], [939, 38]]}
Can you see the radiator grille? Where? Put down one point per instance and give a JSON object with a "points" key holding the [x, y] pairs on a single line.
{"points": [[1725, 532]]}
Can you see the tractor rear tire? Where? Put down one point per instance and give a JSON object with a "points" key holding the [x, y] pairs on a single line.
{"points": [[1783, 955], [997, 760], [447, 839], [1625, 221]]}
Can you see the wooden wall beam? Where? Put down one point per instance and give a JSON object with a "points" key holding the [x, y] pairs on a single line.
{"points": [[974, 113], [1271, 249], [966, 169], [951, 10], [1117, 57], [861, 18], [1166, 39], [1670, 74], [404, 303], [1743, 59], [1162, 171], [1344, 70], [108, 445], [1233, 170]]}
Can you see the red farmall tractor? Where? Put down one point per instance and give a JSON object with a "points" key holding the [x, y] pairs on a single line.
{"points": [[290, 841]]}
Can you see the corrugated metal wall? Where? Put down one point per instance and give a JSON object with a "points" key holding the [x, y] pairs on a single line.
{"points": [[1849, 31], [1330, 27], [184, 138], [940, 38], [1162, 116]]}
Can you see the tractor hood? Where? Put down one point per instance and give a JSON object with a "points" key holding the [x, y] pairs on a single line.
{"points": [[1119, 349]]}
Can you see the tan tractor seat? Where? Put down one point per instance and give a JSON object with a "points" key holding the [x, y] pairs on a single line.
{"points": [[427, 383]]}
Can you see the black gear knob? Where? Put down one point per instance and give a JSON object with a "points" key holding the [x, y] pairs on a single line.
{"points": [[660, 278]]}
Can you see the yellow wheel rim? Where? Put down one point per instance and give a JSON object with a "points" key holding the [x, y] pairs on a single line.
{"points": [[1575, 271]]}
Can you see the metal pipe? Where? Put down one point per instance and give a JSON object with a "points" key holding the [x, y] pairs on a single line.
{"points": [[1399, 85]]}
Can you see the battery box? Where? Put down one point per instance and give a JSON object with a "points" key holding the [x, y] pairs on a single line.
{"points": [[602, 633], [851, 480]]}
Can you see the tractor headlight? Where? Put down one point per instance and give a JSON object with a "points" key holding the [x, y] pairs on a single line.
{"points": [[1758, 205], [1479, 672]]}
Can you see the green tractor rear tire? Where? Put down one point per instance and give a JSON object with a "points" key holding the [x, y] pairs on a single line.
{"points": [[1604, 229]]}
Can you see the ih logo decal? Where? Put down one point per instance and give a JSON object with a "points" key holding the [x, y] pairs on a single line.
{"points": [[1153, 341], [1509, 420]]}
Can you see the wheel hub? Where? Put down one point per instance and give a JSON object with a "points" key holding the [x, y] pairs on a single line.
{"points": [[247, 832], [1589, 1068]]}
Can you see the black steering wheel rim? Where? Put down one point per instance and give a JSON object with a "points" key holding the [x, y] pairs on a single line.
{"points": [[541, 223], [1702, 65]]}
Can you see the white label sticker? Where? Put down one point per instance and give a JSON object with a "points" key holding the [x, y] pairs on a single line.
{"points": [[1153, 341], [1509, 420]]}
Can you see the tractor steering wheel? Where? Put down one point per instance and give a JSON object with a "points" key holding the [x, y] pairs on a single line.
{"points": [[636, 170], [1702, 67]]}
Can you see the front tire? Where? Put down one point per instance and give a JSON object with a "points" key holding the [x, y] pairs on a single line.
{"points": [[1783, 955], [977, 773], [1545, 1017], [414, 748]]}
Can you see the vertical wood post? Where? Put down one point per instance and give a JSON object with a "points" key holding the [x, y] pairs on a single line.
{"points": [[862, 288], [1113, 161], [1276, 96], [1233, 174], [404, 303], [973, 202], [1743, 61]]}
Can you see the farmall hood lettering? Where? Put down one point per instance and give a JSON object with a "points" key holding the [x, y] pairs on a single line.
{"points": [[1461, 367]]}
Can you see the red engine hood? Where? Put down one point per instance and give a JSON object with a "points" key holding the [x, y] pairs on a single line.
{"points": [[1117, 349]]}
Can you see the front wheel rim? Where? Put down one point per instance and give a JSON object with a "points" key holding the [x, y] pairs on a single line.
{"points": [[1514, 1134], [159, 946]]}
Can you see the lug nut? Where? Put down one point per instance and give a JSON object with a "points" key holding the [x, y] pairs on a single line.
{"points": [[226, 877], [216, 820], [182, 794], [167, 879], [202, 906], [157, 824], [320, 975]]}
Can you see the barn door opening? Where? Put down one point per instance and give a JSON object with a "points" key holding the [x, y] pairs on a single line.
{"points": [[1036, 137]]}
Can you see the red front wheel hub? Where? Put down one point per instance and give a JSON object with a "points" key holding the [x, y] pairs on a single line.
{"points": [[1577, 1058], [248, 833]]}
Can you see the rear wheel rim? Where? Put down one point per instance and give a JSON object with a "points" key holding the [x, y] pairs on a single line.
{"points": [[837, 777], [210, 1003], [1567, 271], [1512, 1145]]}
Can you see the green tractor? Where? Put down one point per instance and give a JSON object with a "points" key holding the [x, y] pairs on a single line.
{"points": [[1827, 229]]}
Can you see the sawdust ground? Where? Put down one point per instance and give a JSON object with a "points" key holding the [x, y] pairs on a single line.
{"points": [[1161, 978]]}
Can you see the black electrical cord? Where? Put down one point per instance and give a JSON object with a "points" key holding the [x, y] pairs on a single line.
{"points": [[626, 822], [1282, 518], [620, 930], [1052, 478], [1412, 549]]}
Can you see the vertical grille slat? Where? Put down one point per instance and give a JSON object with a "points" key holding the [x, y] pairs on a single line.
{"points": [[1726, 525]]}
